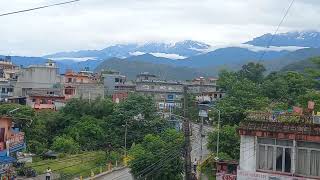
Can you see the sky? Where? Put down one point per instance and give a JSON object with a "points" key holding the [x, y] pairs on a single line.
{"points": [[96, 24]]}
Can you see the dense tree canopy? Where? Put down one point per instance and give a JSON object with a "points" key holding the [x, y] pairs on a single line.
{"points": [[158, 156], [88, 125], [229, 142]]}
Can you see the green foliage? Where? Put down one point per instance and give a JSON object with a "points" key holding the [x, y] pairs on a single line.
{"points": [[22, 117], [65, 144], [229, 142], [311, 95], [88, 133], [242, 96], [248, 90], [86, 125], [163, 151], [253, 71]]}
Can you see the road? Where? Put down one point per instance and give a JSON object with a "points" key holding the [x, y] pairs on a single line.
{"points": [[123, 174], [196, 142]]}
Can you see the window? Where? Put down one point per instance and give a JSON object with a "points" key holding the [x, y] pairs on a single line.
{"points": [[308, 159], [274, 155], [116, 80], [3, 90], [10, 89], [69, 80]]}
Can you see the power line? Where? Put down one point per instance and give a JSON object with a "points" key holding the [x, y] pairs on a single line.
{"points": [[278, 27], [36, 8]]}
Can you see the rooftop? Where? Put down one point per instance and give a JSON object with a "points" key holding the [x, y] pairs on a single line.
{"points": [[284, 126]]}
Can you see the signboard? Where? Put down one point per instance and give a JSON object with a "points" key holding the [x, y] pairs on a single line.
{"points": [[222, 176], [203, 113], [17, 138], [248, 175]]}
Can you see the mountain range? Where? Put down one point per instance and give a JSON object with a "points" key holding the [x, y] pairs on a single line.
{"points": [[188, 57]]}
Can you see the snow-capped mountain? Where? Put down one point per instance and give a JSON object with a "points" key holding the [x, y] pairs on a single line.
{"points": [[180, 50], [295, 38]]}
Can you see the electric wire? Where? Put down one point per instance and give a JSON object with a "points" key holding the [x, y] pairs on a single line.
{"points": [[36, 8], [277, 29]]}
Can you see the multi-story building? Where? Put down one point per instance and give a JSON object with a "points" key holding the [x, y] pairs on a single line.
{"points": [[8, 78], [11, 142], [169, 94], [37, 76], [115, 83], [279, 147], [205, 89], [81, 85]]}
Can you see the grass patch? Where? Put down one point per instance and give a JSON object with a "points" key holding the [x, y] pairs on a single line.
{"points": [[73, 165]]}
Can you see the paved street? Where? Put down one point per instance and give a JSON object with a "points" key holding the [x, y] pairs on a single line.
{"points": [[123, 174], [196, 142]]}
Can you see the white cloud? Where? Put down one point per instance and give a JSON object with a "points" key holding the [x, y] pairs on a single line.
{"points": [[74, 59], [169, 56], [137, 53], [95, 24]]}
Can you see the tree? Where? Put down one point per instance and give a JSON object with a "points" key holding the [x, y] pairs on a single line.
{"points": [[65, 144], [158, 156], [229, 142], [88, 133], [22, 116], [311, 95], [253, 71], [244, 95]]}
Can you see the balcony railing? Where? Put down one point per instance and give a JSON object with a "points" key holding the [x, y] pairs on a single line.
{"points": [[286, 123]]}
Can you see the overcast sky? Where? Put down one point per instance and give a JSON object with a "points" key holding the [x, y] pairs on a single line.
{"points": [[95, 24]]}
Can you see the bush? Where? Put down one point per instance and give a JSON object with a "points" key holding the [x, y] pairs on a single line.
{"points": [[65, 144]]}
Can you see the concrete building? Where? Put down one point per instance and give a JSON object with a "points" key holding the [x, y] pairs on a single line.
{"points": [[8, 78], [81, 85], [114, 82], [169, 94], [205, 89], [37, 76], [273, 148], [45, 99]]}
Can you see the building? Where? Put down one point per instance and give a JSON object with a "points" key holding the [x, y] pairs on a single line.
{"points": [[279, 146], [45, 99], [205, 89], [81, 85], [8, 71], [167, 94], [37, 76], [8, 78], [116, 84], [12, 141]]}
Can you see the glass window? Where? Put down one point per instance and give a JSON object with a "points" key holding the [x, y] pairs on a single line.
{"points": [[266, 141], [309, 145], [284, 142], [302, 162], [315, 163]]}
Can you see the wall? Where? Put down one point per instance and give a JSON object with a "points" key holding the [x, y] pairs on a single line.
{"points": [[248, 153], [36, 77]]}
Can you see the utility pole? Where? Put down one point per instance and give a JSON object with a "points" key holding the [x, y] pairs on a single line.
{"points": [[125, 139], [187, 133]]}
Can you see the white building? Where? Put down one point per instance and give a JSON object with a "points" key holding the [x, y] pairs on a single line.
{"points": [[271, 149]]}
